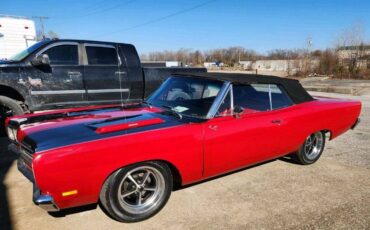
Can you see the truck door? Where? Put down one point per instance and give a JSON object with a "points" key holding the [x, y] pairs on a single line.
{"points": [[105, 74], [61, 83]]}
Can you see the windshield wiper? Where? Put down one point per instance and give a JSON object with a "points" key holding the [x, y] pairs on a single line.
{"points": [[171, 111]]}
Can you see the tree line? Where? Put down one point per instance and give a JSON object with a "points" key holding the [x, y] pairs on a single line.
{"points": [[328, 61], [229, 56]]}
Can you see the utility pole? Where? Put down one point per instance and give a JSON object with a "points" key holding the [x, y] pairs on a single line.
{"points": [[41, 21], [308, 60], [239, 55]]}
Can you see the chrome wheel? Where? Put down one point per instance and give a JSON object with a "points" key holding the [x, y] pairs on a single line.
{"points": [[141, 189], [313, 145]]}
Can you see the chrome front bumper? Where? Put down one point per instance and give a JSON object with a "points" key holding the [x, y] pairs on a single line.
{"points": [[45, 202]]}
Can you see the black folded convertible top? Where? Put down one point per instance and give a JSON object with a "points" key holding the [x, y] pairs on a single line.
{"points": [[293, 88]]}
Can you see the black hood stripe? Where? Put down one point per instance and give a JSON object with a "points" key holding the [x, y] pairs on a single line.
{"points": [[80, 133]]}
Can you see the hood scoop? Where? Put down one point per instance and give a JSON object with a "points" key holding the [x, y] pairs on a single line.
{"points": [[127, 125]]}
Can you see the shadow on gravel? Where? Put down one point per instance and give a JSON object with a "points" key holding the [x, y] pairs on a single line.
{"points": [[6, 161], [70, 211], [289, 159]]}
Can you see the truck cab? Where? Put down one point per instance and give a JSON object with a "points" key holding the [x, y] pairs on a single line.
{"points": [[65, 73]]}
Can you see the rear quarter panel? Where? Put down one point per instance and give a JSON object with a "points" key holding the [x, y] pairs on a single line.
{"points": [[322, 114]]}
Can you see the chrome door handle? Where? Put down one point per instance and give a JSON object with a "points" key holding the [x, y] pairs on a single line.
{"points": [[120, 72], [278, 122], [74, 74]]}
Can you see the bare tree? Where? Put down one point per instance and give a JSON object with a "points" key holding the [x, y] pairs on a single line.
{"points": [[197, 58], [350, 48], [50, 34], [354, 35]]}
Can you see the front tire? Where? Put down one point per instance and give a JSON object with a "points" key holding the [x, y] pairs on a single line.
{"points": [[311, 149], [8, 108], [137, 192]]}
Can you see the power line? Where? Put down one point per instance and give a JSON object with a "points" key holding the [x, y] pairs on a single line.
{"points": [[159, 19], [111, 8], [98, 11], [85, 8], [96, 5]]}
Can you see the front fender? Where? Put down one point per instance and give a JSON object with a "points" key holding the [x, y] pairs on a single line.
{"points": [[16, 83], [85, 167]]}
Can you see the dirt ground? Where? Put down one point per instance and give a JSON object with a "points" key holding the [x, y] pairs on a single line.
{"points": [[333, 193]]}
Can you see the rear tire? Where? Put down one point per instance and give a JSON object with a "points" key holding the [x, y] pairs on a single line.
{"points": [[8, 108], [311, 149], [137, 192]]}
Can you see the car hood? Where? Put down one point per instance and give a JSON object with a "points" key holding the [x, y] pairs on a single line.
{"points": [[5, 63], [56, 129]]}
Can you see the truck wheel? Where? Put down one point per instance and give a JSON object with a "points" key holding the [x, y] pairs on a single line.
{"points": [[137, 192], [311, 149], [8, 108]]}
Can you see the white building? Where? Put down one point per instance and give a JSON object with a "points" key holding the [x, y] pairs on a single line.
{"points": [[349, 52], [247, 65], [16, 34], [359, 54], [272, 65], [162, 63], [174, 64], [289, 66]]}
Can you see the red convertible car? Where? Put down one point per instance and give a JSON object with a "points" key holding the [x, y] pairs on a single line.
{"points": [[192, 128]]}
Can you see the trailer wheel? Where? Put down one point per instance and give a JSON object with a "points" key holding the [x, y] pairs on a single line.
{"points": [[8, 108]]}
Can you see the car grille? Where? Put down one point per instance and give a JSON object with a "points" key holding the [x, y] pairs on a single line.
{"points": [[12, 133], [26, 155]]}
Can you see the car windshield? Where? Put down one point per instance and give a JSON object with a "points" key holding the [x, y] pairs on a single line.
{"points": [[24, 53], [187, 96]]}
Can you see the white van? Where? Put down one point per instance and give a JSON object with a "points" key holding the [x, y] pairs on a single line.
{"points": [[16, 34]]}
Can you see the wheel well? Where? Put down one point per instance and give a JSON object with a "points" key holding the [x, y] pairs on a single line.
{"points": [[11, 93], [176, 176], [327, 133], [177, 180]]}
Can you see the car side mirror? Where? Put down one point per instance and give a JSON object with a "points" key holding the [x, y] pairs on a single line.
{"points": [[42, 60], [238, 110]]}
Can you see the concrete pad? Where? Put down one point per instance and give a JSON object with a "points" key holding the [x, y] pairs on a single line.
{"points": [[343, 86]]}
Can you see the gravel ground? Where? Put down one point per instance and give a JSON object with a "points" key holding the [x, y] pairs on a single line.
{"points": [[352, 148], [333, 193]]}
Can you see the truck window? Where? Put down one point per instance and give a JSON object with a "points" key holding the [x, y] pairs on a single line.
{"points": [[63, 55], [101, 55]]}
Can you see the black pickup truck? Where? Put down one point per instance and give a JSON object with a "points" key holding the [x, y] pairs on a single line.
{"points": [[70, 73]]}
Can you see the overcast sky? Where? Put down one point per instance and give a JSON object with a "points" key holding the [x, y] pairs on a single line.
{"points": [[199, 24]]}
